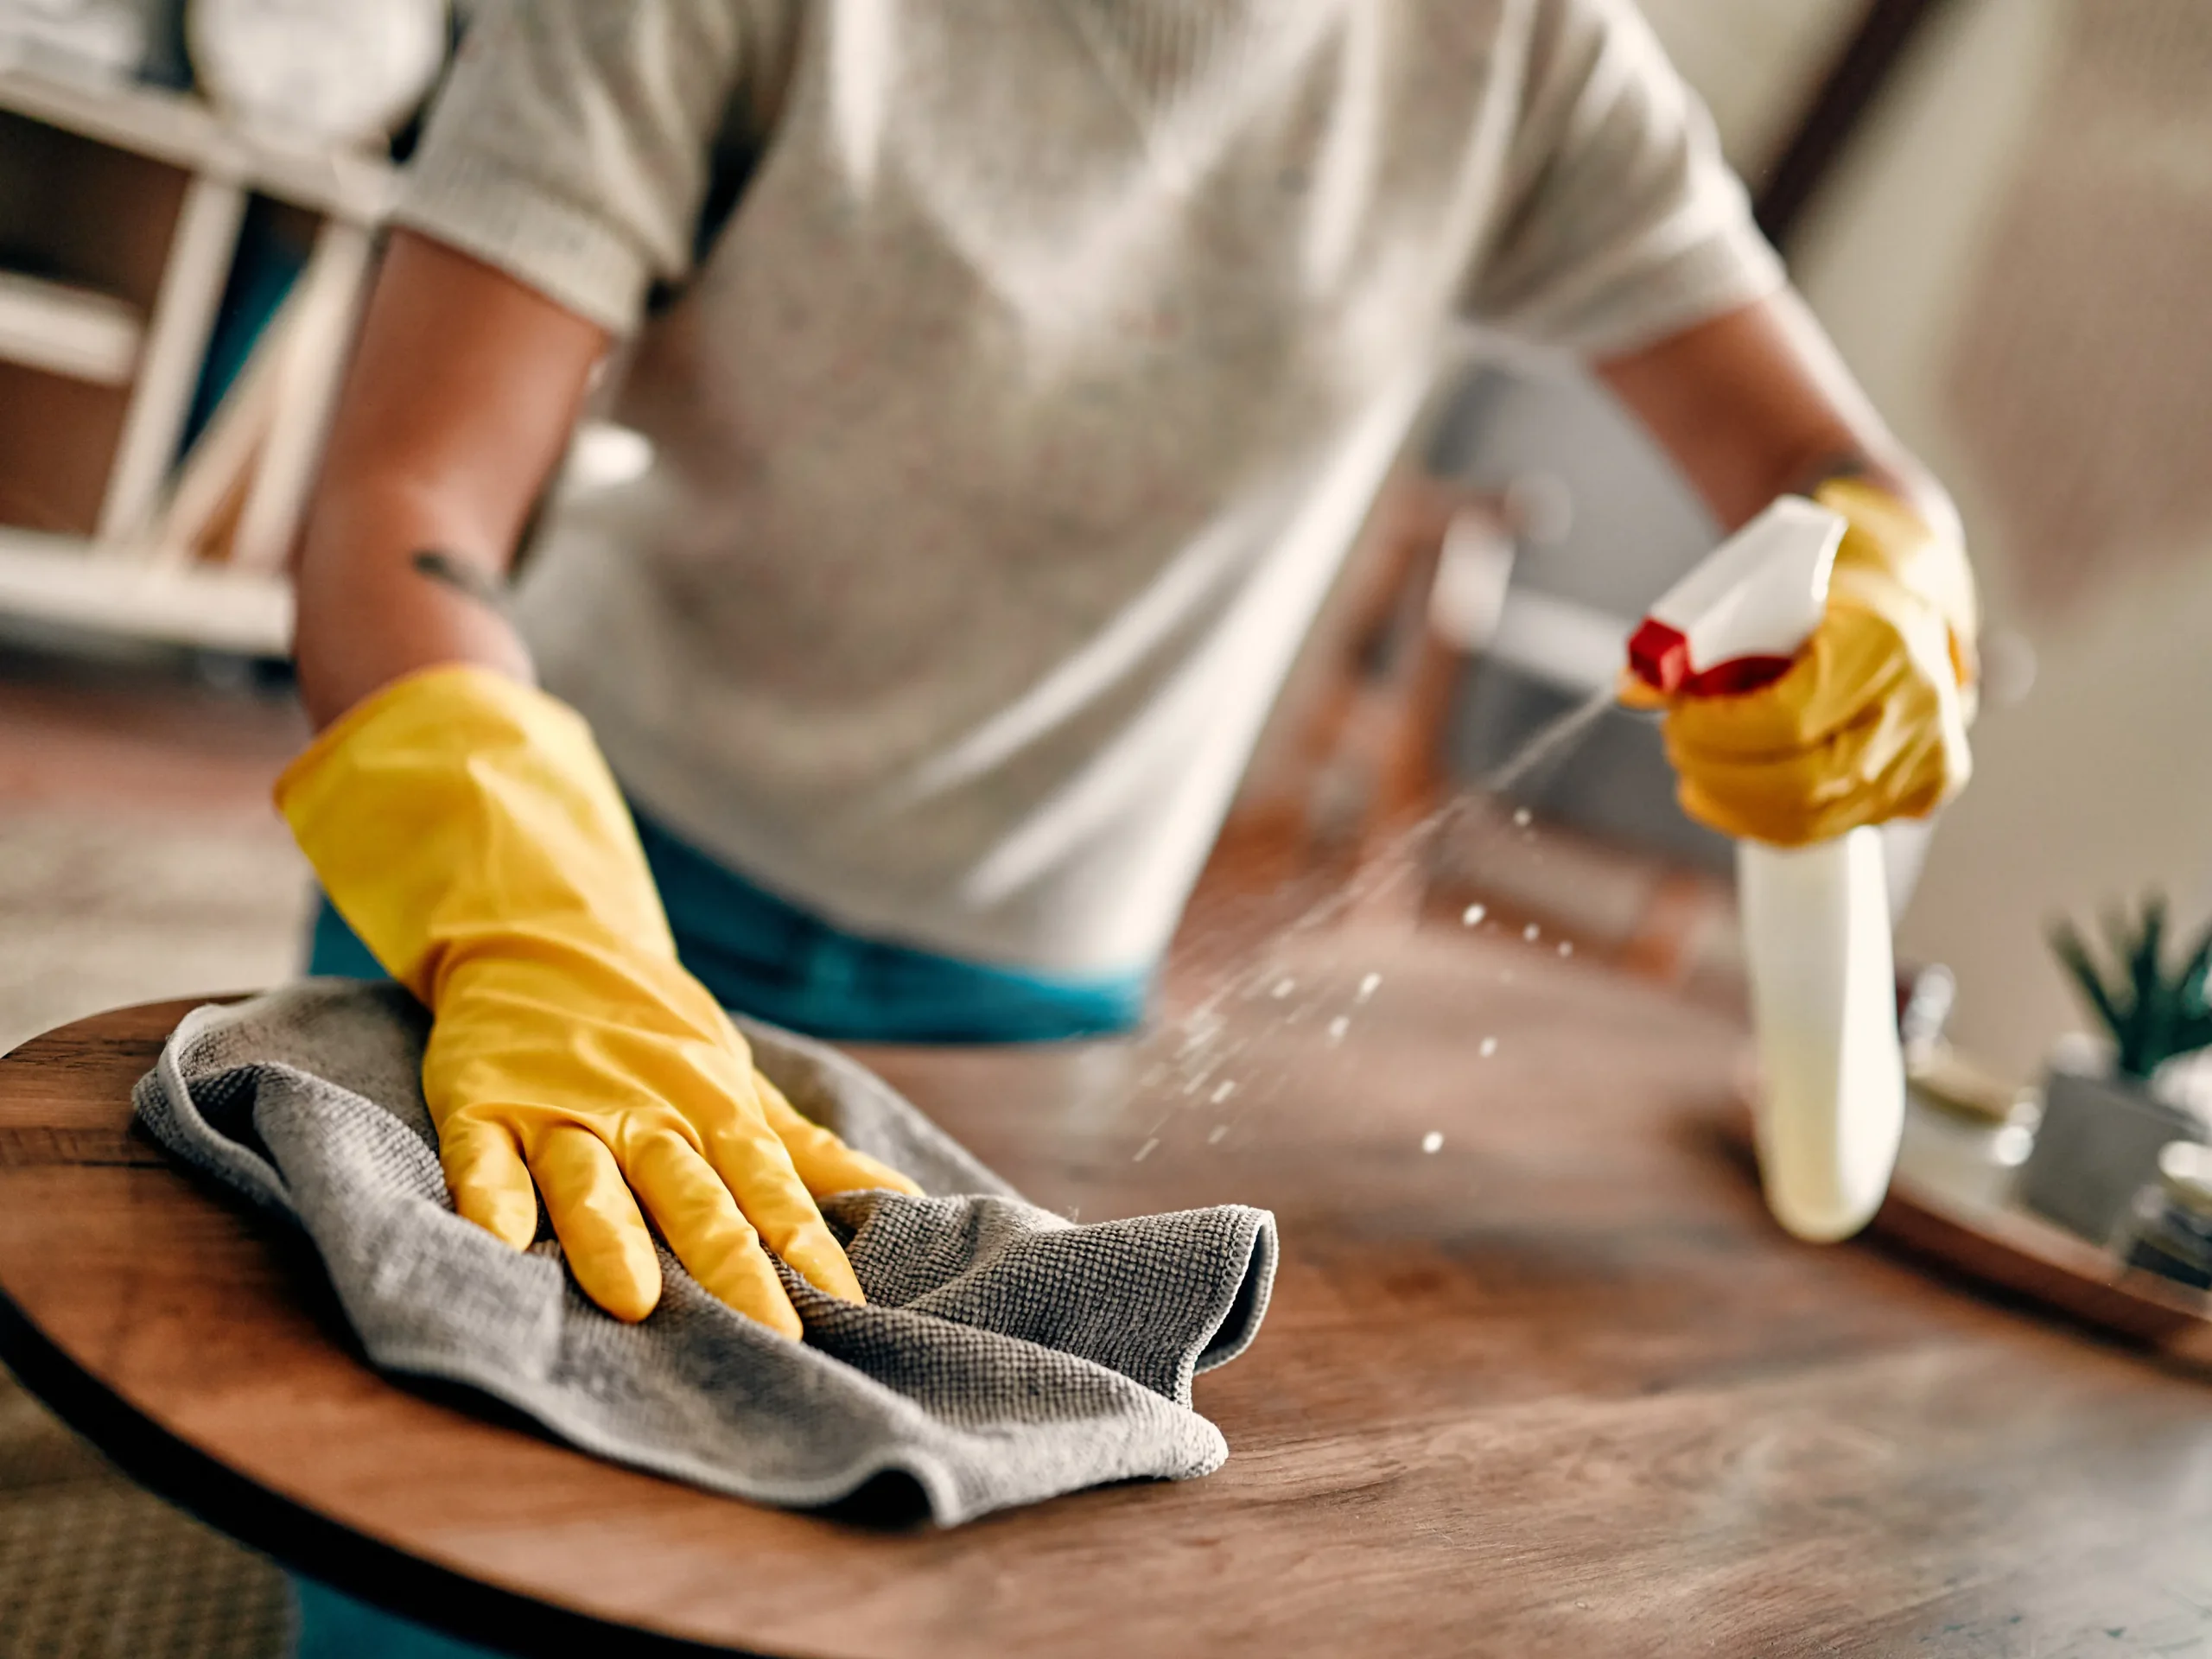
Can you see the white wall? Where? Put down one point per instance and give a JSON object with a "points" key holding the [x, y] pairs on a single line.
{"points": [[1754, 61]]}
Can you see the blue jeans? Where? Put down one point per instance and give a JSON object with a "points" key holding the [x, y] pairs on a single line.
{"points": [[756, 952]]}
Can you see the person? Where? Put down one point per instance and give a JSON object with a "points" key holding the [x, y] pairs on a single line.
{"points": [[1016, 374]]}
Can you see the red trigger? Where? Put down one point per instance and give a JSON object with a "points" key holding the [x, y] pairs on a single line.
{"points": [[1660, 657]]}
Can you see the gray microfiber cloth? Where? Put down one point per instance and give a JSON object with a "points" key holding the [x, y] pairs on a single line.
{"points": [[1006, 1355]]}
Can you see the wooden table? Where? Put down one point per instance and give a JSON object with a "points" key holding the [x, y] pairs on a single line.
{"points": [[1555, 1386]]}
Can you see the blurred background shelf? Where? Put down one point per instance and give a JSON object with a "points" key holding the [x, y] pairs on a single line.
{"points": [[178, 291], [183, 131], [77, 331], [59, 580]]}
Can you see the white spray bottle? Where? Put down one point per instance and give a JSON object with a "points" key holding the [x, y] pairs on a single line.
{"points": [[1816, 919]]}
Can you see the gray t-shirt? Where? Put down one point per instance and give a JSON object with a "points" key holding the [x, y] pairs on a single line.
{"points": [[1008, 435]]}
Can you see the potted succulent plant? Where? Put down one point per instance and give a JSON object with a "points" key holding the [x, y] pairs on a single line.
{"points": [[2101, 1129]]}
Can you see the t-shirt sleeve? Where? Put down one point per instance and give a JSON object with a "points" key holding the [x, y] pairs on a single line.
{"points": [[571, 145], [1618, 222]]}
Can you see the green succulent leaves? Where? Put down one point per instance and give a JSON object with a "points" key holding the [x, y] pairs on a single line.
{"points": [[2151, 1017]]}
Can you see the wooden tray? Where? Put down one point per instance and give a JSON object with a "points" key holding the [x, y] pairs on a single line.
{"points": [[1968, 1224]]}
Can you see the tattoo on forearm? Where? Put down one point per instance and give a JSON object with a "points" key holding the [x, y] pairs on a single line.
{"points": [[463, 578]]}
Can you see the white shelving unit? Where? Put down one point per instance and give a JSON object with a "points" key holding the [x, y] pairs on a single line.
{"points": [[137, 573], [60, 329], [51, 578]]}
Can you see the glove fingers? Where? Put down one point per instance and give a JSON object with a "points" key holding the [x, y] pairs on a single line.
{"points": [[746, 1154], [824, 1163], [1925, 773], [1897, 761], [602, 1232], [1760, 807], [1787, 799], [1849, 668], [488, 1180], [708, 1233]]}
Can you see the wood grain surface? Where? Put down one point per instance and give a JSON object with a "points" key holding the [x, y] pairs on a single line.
{"points": [[1557, 1387]]}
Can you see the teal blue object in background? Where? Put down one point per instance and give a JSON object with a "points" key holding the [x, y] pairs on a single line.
{"points": [[758, 953], [268, 261], [762, 955], [333, 1626]]}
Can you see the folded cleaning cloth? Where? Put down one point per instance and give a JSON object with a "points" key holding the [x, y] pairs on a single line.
{"points": [[1006, 1355]]}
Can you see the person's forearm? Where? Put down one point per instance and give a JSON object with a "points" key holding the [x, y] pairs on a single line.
{"points": [[1757, 403], [455, 412], [391, 584]]}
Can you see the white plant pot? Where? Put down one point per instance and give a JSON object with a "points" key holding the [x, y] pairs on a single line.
{"points": [[2097, 1143]]}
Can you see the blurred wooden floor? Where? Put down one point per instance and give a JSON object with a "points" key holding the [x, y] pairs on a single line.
{"points": [[139, 856]]}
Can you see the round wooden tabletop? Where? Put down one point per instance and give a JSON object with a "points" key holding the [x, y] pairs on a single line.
{"points": [[1554, 1385]]}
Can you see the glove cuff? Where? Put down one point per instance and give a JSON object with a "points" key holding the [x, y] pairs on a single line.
{"points": [[456, 800]]}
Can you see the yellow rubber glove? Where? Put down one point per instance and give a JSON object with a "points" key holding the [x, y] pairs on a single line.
{"points": [[468, 829], [1870, 722]]}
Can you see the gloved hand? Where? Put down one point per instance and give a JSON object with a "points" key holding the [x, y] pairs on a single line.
{"points": [[1870, 722], [468, 829]]}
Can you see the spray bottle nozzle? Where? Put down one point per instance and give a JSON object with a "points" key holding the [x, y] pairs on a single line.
{"points": [[1659, 655], [1736, 620]]}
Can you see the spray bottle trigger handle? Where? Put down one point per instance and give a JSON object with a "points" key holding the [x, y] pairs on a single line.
{"points": [[1660, 657]]}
